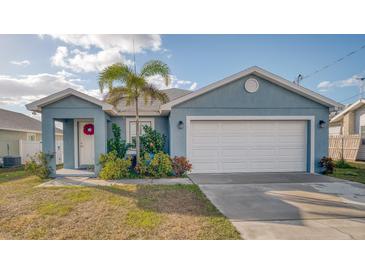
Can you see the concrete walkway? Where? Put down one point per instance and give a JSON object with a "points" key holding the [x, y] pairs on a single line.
{"points": [[288, 205], [86, 181]]}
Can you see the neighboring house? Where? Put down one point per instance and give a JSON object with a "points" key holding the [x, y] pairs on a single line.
{"points": [[350, 123], [16, 127], [252, 121]]}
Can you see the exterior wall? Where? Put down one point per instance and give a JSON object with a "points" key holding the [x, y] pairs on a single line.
{"points": [[233, 100], [68, 144], [359, 119], [359, 122], [11, 138], [70, 108], [161, 125], [349, 123], [335, 128]]}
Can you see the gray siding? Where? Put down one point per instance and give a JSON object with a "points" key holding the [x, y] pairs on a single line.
{"points": [[233, 100]]}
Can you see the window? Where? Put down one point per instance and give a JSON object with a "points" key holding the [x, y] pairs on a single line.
{"points": [[131, 127], [362, 133], [31, 137]]}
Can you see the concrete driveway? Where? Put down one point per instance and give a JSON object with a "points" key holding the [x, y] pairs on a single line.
{"points": [[288, 205]]}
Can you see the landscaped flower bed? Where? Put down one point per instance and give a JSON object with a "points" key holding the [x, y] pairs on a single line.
{"points": [[154, 162]]}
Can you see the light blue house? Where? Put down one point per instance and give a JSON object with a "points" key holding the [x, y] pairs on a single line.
{"points": [[252, 121]]}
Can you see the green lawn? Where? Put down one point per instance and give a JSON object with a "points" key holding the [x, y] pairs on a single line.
{"points": [[113, 212], [7, 174], [356, 173]]}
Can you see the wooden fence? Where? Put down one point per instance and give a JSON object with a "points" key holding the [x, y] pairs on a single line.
{"points": [[344, 146]]}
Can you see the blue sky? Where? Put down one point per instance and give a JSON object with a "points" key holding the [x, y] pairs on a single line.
{"points": [[32, 66]]}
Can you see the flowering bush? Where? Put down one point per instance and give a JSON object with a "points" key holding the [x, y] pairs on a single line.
{"points": [[181, 166], [160, 165]]}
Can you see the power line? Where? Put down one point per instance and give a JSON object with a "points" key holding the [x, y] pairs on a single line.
{"points": [[356, 95], [302, 77]]}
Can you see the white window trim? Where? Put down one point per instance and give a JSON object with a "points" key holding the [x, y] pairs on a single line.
{"points": [[254, 118], [128, 120]]}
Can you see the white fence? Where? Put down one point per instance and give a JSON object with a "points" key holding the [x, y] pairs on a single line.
{"points": [[28, 148]]}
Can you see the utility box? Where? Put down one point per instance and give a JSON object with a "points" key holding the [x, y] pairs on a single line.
{"points": [[11, 161]]}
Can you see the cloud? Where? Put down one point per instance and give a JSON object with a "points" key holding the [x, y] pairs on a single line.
{"points": [[82, 61], [22, 63], [350, 82], [21, 90], [122, 42], [94, 52], [174, 83]]}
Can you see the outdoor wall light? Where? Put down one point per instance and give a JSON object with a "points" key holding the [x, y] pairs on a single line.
{"points": [[322, 123], [180, 125]]}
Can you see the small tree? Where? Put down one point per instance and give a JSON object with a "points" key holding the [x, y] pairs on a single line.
{"points": [[116, 144], [134, 86]]}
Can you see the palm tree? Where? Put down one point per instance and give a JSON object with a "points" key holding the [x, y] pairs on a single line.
{"points": [[133, 86]]}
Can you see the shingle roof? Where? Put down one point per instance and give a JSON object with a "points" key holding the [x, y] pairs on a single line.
{"points": [[151, 108], [11, 120]]}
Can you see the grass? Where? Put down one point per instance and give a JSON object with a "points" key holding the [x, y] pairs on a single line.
{"points": [[356, 172], [7, 174], [108, 212]]}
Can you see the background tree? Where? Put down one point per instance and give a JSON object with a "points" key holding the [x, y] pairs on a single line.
{"points": [[133, 86]]}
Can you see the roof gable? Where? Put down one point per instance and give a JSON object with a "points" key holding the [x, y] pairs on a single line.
{"points": [[234, 96], [260, 73], [39, 104]]}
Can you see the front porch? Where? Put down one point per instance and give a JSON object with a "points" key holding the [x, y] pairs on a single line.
{"points": [[85, 122], [83, 145]]}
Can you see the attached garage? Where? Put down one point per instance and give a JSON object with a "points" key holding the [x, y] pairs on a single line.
{"points": [[244, 145]]}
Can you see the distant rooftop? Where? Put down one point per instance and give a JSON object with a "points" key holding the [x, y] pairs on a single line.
{"points": [[11, 120]]}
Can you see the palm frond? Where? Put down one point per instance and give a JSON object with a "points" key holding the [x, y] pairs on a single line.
{"points": [[156, 67], [150, 91], [115, 95], [116, 72]]}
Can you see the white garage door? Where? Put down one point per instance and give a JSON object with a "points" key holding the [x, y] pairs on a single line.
{"points": [[247, 146]]}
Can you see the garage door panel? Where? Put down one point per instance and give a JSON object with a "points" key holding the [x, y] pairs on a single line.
{"points": [[208, 140], [248, 146], [205, 153]]}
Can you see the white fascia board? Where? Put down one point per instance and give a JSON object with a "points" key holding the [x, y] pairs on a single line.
{"points": [[261, 73]]}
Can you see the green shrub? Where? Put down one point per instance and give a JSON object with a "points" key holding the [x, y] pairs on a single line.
{"points": [[116, 144], [114, 168], [181, 166], [328, 165], [152, 141], [342, 164], [38, 165], [160, 166]]}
